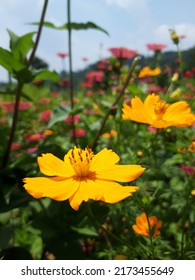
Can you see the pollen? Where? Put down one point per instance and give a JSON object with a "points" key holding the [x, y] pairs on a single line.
{"points": [[160, 108], [81, 160]]}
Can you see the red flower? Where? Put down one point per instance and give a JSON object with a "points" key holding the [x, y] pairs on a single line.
{"points": [[79, 132], [35, 137], [45, 116], [15, 146], [69, 119], [156, 47], [55, 94], [95, 76], [62, 54], [44, 100], [9, 106], [122, 53], [190, 170]]}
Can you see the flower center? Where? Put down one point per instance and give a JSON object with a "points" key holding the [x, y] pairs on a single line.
{"points": [[80, 161], [160, 108]]}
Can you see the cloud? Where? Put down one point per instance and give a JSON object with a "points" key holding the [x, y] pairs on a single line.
{"points": [[130, 4]]}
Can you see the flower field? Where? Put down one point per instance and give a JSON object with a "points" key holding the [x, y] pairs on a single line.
{"points": [[98, 169]]}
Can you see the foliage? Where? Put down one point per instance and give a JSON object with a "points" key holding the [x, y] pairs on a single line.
{"points": [[51, 120]]}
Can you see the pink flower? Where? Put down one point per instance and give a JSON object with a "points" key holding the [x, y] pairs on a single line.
{"points": [[190, 170], [15, 146], [79, 132], [55, 94], [9, 106], [84, 58], [156, 47], [32, 150], [122, 53], [44, 100], [95, 76], [62, 54], [45, 116], [35, 137], [69, 119]]}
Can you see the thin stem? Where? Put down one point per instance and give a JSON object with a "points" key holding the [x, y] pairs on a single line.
{"points": [[70, 69], [19, 91], [151, 238], [180, 61], [99, 226], [134, 63], [14, 123], [38, 33]]}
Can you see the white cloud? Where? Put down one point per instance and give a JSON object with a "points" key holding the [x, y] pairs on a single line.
{"points": [[130, 5]]}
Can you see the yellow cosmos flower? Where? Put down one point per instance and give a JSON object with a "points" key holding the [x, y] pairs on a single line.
{"points": [[158, 113], [82, 176], [111, 134], [141, 227], [147, 72]]}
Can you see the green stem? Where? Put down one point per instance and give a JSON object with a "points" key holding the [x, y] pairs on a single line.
{"points": [[151, 238], [19, 91], [134, 63], [70, 70], [38, 33], [180, 61], [14, 124], [116, 238]]}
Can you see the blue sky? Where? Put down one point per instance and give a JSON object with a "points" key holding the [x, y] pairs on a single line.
{"points": [[130, 23]]}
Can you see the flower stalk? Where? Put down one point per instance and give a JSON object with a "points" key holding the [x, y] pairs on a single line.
{"points": [[133, 65]]}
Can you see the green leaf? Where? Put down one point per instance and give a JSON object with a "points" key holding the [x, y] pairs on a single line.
{"points": [[47, 75], [9, 62], [74, 25], [59, 115], [90, 231], [20, 46]]}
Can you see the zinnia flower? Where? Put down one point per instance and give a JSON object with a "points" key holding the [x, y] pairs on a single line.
{"points": [[156, 47], [141, 227], [82, 176], [122, 53], [158, 113]]}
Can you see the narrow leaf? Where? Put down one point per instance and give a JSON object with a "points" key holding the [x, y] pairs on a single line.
{"points": [[74, 26]]}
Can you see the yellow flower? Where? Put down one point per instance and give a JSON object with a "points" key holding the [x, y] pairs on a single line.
{"points": [[147, 72], [192, 147], [158, 113], [141, 227], [82, 176], [111, 134]]}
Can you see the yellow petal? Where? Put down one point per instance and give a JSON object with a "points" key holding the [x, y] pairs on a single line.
{"points": [[179, 112], [55, 188], [52, 166], [106, 191], [105, 158], [149, 103], [135, 112], [120, 173]]}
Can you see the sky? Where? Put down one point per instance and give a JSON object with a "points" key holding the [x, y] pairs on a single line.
{"points": [[130, 23]]}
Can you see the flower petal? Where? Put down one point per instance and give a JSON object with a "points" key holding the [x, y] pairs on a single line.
{"points": [[55, 188], [104, 159], [135, 112], [120, 173], [52, 166], [179, 113], [106, 191]]}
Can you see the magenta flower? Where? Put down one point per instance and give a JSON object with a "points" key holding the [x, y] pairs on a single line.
{"points": [[190, 170], [156, 47], [122, 53], [62, 54]]}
